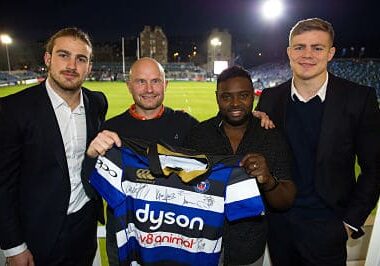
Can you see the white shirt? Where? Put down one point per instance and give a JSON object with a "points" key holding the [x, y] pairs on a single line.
{"points": [[72, 125], [321, 91]]}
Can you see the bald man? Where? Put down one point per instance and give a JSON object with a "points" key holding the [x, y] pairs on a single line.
{"points": [[147, 119]]}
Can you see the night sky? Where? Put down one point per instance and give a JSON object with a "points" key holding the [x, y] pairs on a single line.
{"points": [[356, 22]]}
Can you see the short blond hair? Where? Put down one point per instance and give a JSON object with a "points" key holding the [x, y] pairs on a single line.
{"points": [[310, 25]]}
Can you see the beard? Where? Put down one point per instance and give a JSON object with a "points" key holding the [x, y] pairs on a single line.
{"points": [[66, 85]]}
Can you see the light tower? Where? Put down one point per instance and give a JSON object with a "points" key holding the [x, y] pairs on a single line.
{"points": [[214, 43], [6, 40]]}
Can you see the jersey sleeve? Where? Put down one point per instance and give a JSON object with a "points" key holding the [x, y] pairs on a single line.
{"points": [[107, 176], [243, 198]]}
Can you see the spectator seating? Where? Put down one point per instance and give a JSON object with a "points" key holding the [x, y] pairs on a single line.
{"points": [[364, 71]]}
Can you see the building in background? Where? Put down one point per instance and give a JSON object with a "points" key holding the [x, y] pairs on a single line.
{"points": [[153, 43], [218, 50]]}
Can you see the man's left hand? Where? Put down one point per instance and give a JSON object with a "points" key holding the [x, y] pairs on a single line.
{"points": [[255, 165]]}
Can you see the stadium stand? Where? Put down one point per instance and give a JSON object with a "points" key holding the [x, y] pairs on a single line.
{"points": [[24, 74], [174, 71], [108, 71], [6, 79], [18, 77], [270, 74], [364, 71], [184, 71]]}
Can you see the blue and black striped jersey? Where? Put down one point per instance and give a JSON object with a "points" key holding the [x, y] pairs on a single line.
{"points": [[171, 203]]}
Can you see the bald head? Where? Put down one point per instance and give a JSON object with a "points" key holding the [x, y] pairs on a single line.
{"points": [[146, 63], [147, 85]]}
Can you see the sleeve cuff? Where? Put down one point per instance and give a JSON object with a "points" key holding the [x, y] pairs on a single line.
{"points": [[15, 251], [351, 227], [357, 232]]}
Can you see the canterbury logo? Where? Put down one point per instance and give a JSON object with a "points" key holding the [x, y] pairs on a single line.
{"points": [[144, 174]]}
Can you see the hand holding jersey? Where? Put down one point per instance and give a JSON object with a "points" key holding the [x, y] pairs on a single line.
{"points": [[255, 165], [102, 143], [163, 219]]}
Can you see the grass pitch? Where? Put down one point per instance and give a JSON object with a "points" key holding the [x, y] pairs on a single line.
{"points": [[195, 98]]}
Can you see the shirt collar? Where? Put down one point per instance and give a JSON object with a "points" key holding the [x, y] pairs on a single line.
{"points": [[321, 93], [134, 114], [57, 100]]}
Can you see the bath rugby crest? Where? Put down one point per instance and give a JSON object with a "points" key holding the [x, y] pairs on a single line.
{"points": [[171, 203]]}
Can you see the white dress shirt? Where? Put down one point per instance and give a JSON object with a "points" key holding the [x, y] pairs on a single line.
{"points": [[72, 124], [321, 92]]}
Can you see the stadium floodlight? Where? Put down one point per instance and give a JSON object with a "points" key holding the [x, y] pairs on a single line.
{"points": [[214, 43], [176, 57], [6, 40], [272, 9]]}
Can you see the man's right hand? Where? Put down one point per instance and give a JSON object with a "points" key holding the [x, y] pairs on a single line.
{"points": [[102, 143], [23, 259]]}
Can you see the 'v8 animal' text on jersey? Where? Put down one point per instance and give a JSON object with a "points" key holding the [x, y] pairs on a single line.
{"points": [[171, 204]]}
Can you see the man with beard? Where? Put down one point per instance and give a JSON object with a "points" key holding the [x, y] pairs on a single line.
{"points": [[48, 213], [235, 131]]}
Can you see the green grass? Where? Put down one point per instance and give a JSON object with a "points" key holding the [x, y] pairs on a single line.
{"points": [[196, 98]]}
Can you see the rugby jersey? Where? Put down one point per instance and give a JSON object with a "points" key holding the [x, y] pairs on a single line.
{"points": [[171, 203]]}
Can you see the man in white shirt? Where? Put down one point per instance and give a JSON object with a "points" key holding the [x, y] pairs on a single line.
{"points": [[48, 211]]}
